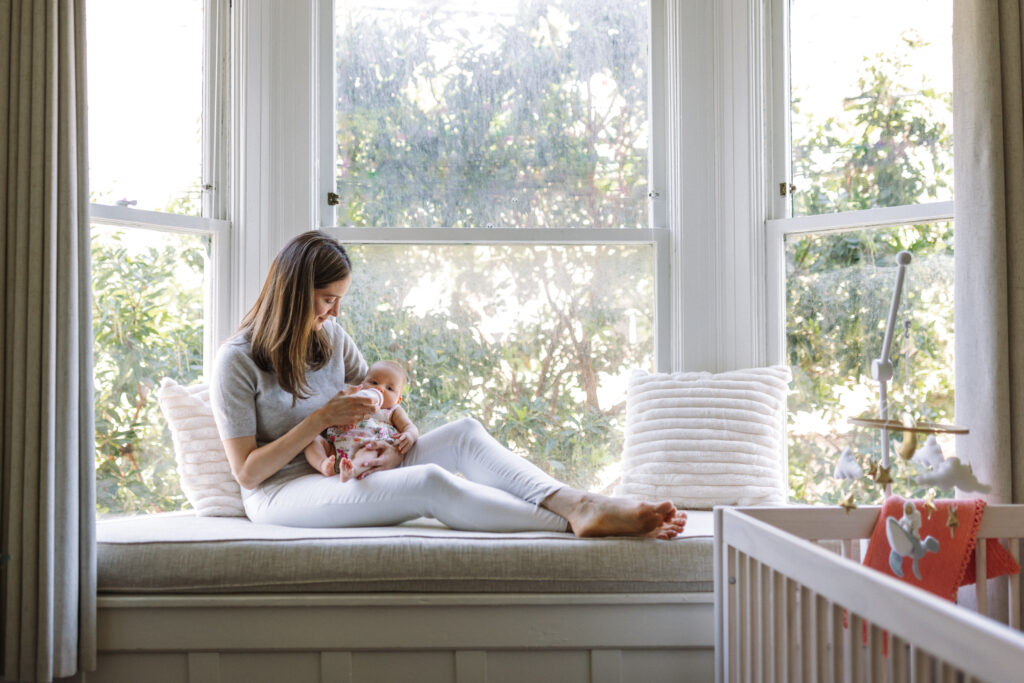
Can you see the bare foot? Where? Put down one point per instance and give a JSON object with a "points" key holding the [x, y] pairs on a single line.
{"points": [[671, 527], [350, 468], [326, 466], [591, 514], [345, 469]]}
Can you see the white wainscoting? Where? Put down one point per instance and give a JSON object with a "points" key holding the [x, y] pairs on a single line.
{"points": [[463, 638]]}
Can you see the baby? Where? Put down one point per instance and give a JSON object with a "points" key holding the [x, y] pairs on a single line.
{"points": [[384, 381]]}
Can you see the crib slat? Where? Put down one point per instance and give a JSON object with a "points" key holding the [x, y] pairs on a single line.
{"points": [[792, 639], [948, 673], [848, 549], [745, 636], [1015, 586], [756, 671], [981, 576], [732, 572]]}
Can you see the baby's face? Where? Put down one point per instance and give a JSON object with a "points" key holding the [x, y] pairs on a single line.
{"points": [[388, 381]]}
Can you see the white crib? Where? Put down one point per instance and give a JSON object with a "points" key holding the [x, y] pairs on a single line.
{"points": [[792, 603]]}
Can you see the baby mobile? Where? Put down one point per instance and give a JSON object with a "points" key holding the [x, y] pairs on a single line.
{"points": [[926, 467]]}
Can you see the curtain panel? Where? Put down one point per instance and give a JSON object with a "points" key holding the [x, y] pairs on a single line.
{"points": [[988, 138], [988, 157], [47, 495]]}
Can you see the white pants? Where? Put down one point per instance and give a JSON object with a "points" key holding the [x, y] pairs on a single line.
{"points": [[500, 491]]}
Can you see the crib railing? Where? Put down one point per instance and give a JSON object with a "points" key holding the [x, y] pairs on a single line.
{"points": [[789, 610]]}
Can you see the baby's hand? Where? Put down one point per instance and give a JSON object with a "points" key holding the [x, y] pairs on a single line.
{"points": [[405, 440]]}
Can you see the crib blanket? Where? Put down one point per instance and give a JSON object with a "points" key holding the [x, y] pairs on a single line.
{"points": [[934, 549]]}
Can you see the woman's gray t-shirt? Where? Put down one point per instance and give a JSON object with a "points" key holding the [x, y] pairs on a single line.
{"points": [[248, 401]]}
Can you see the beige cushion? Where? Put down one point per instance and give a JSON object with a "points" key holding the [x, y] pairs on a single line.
{"points": [[203, 468], [178, 553], [701, 439]]}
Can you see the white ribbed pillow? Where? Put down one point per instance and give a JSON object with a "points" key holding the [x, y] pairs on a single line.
{"points": [[203, 466], [701, 439]]}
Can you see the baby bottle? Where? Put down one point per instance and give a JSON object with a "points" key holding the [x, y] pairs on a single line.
{"points": [[374, 394]]}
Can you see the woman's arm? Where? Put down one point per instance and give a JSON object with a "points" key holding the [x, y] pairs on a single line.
{"points": [[252, 464]]}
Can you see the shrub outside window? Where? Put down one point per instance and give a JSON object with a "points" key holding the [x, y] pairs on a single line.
{"points": [[491, 167]]}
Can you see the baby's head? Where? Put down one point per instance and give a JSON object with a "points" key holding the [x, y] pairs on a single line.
{"points": [[389, 377]]}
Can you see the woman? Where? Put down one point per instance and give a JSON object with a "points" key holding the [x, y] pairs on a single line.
{"points": [[276, 386]]}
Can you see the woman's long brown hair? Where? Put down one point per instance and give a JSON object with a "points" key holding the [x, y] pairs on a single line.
{"points": [[280, 323]]}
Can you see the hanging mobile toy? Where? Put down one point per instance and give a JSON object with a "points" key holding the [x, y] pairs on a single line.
{"points": [[882, 371], [847, 466]]}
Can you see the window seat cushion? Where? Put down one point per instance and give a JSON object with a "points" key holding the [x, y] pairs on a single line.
{"points": [[184, 553]]}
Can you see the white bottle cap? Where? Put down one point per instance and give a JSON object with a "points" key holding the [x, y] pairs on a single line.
{"points": [[371, 393]]}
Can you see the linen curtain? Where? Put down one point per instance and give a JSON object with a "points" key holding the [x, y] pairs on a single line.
{"points": [[47, 496], [988, 138]]}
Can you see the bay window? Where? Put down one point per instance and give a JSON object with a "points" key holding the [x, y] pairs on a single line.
{"points": [[539, 197]]}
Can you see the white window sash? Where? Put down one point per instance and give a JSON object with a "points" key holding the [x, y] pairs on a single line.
{"points": [[777, 230], [659, 236], [706, 168], [780, 222], [216, 325]]}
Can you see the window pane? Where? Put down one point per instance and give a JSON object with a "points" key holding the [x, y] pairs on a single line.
{"points": [[871, 89], [501, 114], [147, 324], [534, 341], [839, 290], [145, 66]]}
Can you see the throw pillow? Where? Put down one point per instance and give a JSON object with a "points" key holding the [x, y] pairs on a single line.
{"points": [[203, 468], [701, 439]]}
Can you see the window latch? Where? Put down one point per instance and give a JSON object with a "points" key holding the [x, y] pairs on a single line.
{"points": [[786, 188], [333, 199]]}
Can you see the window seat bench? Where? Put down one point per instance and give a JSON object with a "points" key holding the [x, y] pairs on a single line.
{"points": [[209, 599]]}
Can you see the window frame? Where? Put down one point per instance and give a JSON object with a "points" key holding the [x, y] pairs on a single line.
{"points": [[214, 222], [656, 235], [707, 121]]}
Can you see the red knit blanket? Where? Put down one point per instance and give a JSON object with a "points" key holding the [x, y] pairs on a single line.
{"points": [[944, 554]]}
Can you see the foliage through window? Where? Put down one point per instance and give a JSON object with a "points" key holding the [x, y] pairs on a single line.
{"points": [[500, 114], [532, 340], [147, 324], [150, 261], [510, 114], [871, 101]]}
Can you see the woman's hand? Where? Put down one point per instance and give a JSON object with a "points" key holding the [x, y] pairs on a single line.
{"points": [[344, 411], [385, 457]]}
